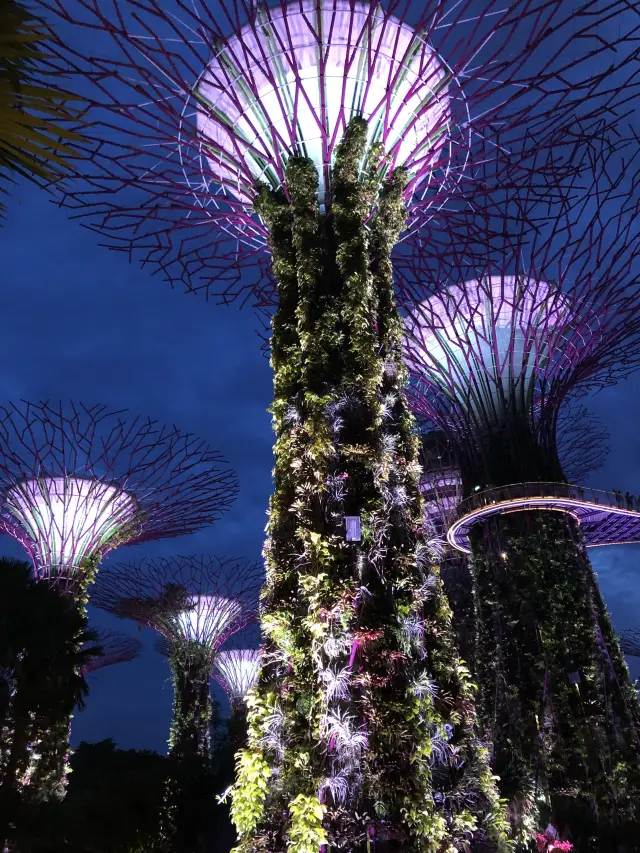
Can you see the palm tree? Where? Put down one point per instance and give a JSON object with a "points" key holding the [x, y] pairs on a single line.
{"points": [[35, 115]]}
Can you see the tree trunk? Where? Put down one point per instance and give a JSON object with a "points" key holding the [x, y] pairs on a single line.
{"points": [[556, 697]]}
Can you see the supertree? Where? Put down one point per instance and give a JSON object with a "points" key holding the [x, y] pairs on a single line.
{"points": [[583, 443], [195, 604], [109, 648], [237, 671], [79, 481], [296, 139], [495, 346]]}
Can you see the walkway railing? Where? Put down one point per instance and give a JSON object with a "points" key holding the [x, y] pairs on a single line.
{"points": [[606, 518]]}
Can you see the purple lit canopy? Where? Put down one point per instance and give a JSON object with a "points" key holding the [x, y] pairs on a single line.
{"points": [[294, 76], [199, 600], [237, 671], [192, 104], [78, 481], [544, 313]]}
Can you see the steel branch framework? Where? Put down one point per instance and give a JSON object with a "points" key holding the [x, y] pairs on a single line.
{"points": [[200, 600], [237, 671], [111, 647], [497, 343], [193, 104], [78, 481]]}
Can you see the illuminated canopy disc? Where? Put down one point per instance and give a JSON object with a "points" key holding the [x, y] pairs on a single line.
{"points": [[486, 343], [237, 670], [208, 618], [67, 519], [316, 64]]}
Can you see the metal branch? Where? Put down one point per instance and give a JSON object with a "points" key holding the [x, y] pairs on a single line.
{"points": [[191, 105], [202, 600], [78, 481]]}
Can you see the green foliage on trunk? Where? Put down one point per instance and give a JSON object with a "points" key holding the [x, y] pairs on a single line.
{"points": [[556, 696], [363, 710], [41, 634], [189, 789]]}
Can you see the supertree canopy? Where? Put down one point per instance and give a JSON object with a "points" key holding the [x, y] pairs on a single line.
{"points": [[495, 346], [78, 481], [237, 671], [195, 604], [109, 648], [197, 105], [300, 140]]}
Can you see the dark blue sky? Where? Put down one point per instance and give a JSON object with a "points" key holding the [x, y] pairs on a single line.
{"points": [[80, 322]]}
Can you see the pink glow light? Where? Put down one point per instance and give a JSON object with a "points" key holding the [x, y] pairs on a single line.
{"points": [[68, 519], [290, 82]]}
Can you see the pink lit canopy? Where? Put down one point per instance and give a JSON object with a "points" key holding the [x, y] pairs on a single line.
{"points": [[290, 81]]}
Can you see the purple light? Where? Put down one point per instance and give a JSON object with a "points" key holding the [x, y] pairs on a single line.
{"points": [[203, 600], [68, 519], [292, 79], [207, 618], [237, 670], [353, 526], [603, 517], [486, 342], [189, 106], [78, 481], [545, 311]]}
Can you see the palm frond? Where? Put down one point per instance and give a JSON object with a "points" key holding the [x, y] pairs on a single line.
{"points": [[39, 121]]}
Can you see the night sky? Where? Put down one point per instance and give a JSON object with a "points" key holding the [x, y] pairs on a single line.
{"points": [[79, 322]]}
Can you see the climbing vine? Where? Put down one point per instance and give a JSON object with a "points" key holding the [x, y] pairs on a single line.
{"points": [[188, 786]]}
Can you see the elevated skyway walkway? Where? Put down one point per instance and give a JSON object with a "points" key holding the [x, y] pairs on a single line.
{"points": [[605, 518]]}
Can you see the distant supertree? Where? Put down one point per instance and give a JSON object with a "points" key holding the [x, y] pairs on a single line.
{"points": [[279, 152], [630, 642], [496, 346], [78, 481], [109, 648], [195, 604], [200, 104], [237, 671], [583, 443]]}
